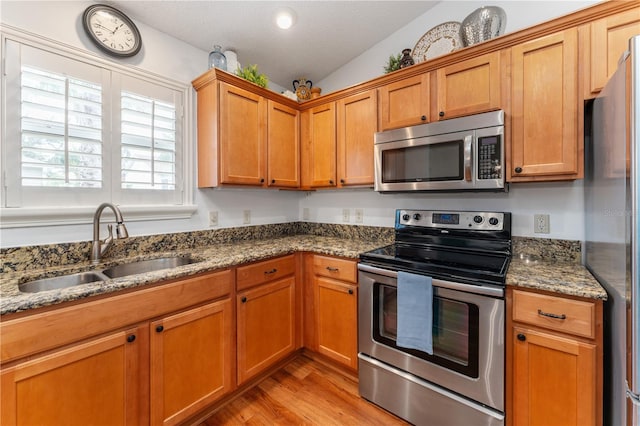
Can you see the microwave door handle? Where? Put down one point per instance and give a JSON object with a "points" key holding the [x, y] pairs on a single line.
{"points": [[468, 144]]}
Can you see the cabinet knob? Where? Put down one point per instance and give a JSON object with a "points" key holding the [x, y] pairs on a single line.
{"points": [[342, 181], [331, 182], [244, 299], [522, 337], [273, 181], [131, 338], [350, 291], [441, 113], [261, 180], [159, 329], [423, 118], [518, 169]]}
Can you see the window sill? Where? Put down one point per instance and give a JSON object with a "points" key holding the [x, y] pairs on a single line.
{"points": [[32, 217]]}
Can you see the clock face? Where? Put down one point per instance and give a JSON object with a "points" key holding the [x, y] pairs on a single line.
{"points": [[112, 31]]}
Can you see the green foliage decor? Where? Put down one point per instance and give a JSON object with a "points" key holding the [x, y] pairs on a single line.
{"points": [[251, 73], [393, 64]]}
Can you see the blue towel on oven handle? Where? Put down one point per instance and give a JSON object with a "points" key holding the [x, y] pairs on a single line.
{"points": [[415, 312]]}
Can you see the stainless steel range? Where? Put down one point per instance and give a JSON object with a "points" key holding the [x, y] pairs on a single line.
{"points": [[463, 257]]}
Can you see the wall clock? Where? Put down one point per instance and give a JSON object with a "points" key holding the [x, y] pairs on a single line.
{"points": [[111, 30]]}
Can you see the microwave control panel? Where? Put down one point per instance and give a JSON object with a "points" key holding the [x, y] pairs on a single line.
{"points": [[489, 157]]}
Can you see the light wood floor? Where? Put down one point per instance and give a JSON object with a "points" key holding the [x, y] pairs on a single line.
{"points": [[304, 392]]}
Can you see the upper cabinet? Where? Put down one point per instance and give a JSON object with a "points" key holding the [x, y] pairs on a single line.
{"points": [[468, 87], [603, 43], [404, 103], [246, 134], [544, 115], [318, 128], [357, 124]]}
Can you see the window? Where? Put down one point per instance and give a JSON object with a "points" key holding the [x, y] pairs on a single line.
{"points": [[81, 131]]}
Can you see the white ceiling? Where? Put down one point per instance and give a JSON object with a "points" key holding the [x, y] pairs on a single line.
{"points": [[326, 35]]}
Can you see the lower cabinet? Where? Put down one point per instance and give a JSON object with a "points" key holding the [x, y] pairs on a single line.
{"points": [[191, 361], [331, 328], [87, 364], [556, 360], [266, 314], [94, 382]]}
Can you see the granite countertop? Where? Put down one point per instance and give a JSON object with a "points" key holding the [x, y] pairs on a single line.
{"points": [[564, 278], [561, 274], [212, 258]]}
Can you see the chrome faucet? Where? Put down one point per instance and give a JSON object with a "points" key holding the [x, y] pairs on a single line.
{"points": [[98, 248]]}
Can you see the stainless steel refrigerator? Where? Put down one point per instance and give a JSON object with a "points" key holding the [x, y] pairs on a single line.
{"points": [[612, 185]]}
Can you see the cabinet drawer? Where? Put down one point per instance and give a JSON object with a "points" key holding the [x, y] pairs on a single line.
{"points": [[555, 313], [340, 269], [262, 272]]}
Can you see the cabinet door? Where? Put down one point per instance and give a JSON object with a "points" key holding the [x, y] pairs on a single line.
{"points": [[283, 146], [94, 382], [337, 324], [554, 380], [191, 361], [609, 39], [319, 146], [242, 136], [357, 123], [265, 326], [544, 140], [404, 103], [468, 87]]}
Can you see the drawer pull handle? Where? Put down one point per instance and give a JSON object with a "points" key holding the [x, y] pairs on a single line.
{"points": [[272, 271], [547, 314], [330, 269]]}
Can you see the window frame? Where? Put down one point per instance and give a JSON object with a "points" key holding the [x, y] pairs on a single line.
{"points": [[18, 217]]}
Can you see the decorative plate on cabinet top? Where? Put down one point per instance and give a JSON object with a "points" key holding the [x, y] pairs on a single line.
{"points": [[439, 40]]}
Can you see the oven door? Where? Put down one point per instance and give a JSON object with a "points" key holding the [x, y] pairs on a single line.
{"points": [[442, 162], [468, 335]]}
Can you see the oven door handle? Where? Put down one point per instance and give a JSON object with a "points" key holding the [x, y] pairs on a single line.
{"points": [[469, 288]]}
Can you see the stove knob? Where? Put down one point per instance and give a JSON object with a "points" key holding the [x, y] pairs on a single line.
{"points": [[406, 217], [477, 219], [417, 216], [493, 221]]}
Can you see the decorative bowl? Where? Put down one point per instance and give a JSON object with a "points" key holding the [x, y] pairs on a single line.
{"points": [[483, 24]]}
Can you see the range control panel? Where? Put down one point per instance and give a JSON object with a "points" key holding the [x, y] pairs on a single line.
{"points": [[481, 221]]}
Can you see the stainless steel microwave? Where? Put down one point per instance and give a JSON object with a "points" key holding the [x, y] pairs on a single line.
{"points": [[465, 153]]}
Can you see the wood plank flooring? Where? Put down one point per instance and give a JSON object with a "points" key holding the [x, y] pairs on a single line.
{"points": [[304, 392]]}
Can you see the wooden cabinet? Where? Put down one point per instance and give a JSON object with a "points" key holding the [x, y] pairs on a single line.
{"points": [[155, 355], [544, 116], [555, 377], [404, 103], [604, 42], [357, 122], [283, 146], [468, 87], [318, 127], [266, 321], [191, 361], [243, 131], [245, 135], [93, 382], [332, 295]]}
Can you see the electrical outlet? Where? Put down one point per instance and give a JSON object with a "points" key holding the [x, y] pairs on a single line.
{"points": [[246, 217], [541, 223], [359, 216], [213, 218], [345, 215], [305, 214]]}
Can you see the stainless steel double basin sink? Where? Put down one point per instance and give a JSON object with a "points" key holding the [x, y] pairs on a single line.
{"points": [[117, 271]]}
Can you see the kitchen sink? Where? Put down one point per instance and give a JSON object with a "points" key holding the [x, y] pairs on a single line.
{"points": [[150, 265], [133, 268], [63, 281]]}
